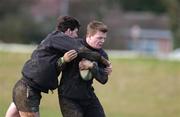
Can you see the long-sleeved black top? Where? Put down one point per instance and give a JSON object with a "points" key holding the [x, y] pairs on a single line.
{"points": [[40, 71], [73, 86]]}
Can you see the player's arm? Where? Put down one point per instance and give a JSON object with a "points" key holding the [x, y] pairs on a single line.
{"points": [[65, 43], [99, 73], [68, 57]]}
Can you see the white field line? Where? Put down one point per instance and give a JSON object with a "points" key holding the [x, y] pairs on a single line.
{"points": [[17, 48], [24, 48]]}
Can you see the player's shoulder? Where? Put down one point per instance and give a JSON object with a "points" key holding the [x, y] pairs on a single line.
{"points": [[50, 37], [104, 53], [80, 40]]}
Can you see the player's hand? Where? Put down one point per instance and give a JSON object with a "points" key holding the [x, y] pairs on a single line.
{"points": [[85, 64], [108, 69], [70, 55]]}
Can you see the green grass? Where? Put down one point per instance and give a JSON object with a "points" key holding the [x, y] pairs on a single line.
{"points": [[136, 88]]}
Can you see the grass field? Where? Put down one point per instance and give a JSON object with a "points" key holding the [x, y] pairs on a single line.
{"points": [[136, 88]]}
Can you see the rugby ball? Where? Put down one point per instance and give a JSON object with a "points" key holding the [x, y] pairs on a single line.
{"points": [[86, 74]]}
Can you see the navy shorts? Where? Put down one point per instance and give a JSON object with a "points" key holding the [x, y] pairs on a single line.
{"points": [[26, 98]]}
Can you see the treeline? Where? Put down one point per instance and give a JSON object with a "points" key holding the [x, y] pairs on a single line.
{"points": [[18, 25]]}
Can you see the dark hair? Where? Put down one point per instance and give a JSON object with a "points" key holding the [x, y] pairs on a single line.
{"points": [[65, 22]]}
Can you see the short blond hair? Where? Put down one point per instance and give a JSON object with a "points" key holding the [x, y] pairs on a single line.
{"points": [[95, 26]]}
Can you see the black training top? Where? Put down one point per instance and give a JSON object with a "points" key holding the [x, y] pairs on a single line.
{"points": [[73, 86], [40, 71]]}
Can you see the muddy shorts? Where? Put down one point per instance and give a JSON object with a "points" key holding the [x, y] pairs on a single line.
{"points": [[80, 108], [26, 98]]}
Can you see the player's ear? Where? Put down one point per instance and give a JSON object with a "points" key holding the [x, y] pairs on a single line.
{"points": [[68, 31]]}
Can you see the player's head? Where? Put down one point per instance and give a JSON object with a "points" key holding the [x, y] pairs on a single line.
{"points": [[69, 25], [96, 34]]}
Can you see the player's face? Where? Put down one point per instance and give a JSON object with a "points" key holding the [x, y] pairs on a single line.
{"points": [[97, 40], [74, 33]]}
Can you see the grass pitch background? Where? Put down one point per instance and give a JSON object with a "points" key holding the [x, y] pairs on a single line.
{"points": [[136, 88]]}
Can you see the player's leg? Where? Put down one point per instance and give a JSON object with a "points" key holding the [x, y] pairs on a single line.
{"points": [[70, 108], [12, 111], [94, 109], [26, 99], [92, 55], [29, 114]]}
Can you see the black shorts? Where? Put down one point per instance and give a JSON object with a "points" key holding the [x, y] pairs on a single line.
{"points": [[26, 98], [80, 108]]}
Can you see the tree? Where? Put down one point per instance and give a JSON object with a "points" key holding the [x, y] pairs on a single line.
{"points": [[16, 23], [139, 5], [12, 6], [173, 8], [87, 10]]}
